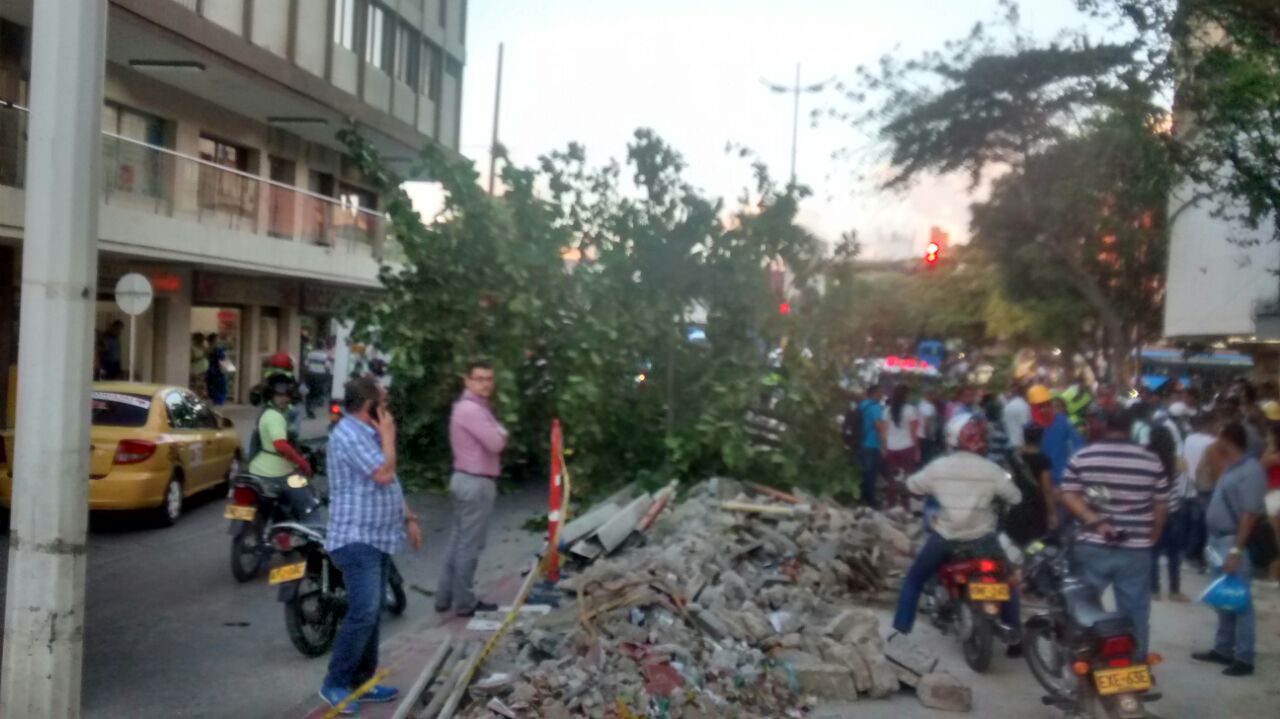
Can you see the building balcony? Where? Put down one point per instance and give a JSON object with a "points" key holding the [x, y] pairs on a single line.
{"points": [[161, 204]]}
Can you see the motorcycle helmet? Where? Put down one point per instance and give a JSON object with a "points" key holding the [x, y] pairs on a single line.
{"points": [[281, 360]]}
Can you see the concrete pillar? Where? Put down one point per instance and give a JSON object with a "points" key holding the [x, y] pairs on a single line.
{"points": [[291, 335], [44, 606], [250, 352]]}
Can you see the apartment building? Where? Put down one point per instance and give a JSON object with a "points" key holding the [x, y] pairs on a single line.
{"points": [[223, 181]]}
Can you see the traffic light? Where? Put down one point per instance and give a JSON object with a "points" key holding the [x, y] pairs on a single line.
{"points": [[931, 254]]}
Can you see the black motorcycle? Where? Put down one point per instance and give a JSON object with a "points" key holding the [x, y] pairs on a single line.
{"points": [[256, 503], [1084, 656], [311, 586]]}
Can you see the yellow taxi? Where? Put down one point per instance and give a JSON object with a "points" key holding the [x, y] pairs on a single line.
{"points": [[152, 447]]}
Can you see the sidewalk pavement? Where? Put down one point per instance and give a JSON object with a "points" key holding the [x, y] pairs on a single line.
{"points": [[408, 652]]}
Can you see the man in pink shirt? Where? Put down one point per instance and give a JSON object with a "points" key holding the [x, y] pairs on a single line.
{"points": [[477, 440]]}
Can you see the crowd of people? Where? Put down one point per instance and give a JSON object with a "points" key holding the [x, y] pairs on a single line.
{"points": [[1187, 477]]}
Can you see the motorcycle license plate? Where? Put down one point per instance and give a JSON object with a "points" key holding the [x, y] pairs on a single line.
{"points": [[242, 513], [989, 592], [1122, 681], [287, 573]]}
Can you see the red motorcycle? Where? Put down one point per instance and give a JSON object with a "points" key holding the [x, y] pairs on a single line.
{"points": [[967, 597]]}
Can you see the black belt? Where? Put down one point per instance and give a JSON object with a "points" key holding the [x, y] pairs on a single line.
{"points": [[473, 474]]}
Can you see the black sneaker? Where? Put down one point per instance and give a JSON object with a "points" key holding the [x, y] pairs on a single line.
{"points": [[443, 609], [479, 607], [1013, 651], [1238, 669], [1213, 657]]}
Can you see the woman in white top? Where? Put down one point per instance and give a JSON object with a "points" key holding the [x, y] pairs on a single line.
{"points": [[901, 446]]}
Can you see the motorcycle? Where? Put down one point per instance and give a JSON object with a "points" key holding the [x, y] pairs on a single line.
{"points": [[966, 597], [1083, 656], [256, 503], [311, 586]]}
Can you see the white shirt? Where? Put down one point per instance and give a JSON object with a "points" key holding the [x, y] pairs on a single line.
{"points": [[1192, 454], [965, 486], [898, 436], [1017, 414], [928, 418]]}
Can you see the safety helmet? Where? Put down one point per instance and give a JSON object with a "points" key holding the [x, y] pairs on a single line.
{"points": [[972, 436], [1038, 394], [1271, 409], [281, 360]]}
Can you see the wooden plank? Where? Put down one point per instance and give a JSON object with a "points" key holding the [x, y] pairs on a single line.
{"points": [[420, 685]]}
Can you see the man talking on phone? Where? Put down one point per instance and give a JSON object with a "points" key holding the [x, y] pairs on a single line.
{"points": [[477, 441], [368, 522]]}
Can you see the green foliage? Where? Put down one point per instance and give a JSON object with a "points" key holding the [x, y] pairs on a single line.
{"points": [[603, 347]]}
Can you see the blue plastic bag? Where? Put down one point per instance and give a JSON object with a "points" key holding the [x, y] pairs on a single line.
{"points": [[1227, 593]]}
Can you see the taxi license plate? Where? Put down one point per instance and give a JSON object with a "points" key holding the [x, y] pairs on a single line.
{"points": [[236, 511], [989, 592], [1122, 681], [287, 573]]}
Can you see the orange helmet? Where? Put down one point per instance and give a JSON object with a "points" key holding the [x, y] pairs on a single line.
{"points": [[1038, 394], [281, 360]]}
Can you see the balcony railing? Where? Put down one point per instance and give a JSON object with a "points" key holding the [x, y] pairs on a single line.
{"points": [[154, 179]]}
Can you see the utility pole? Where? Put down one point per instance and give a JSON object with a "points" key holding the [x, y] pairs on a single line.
{"points": [[497, 107], [44, 607], [795, 91]]}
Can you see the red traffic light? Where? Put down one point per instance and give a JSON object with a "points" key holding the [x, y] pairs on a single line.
{"points": [[931, 253], [784, 308]]}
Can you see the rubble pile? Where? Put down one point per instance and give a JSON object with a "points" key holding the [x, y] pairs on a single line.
{"points": [[730, 604]]}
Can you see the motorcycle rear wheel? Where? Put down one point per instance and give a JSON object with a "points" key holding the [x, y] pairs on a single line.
{"points": [[310, 619], [1052, 671], [247, 557], [977, 644]]}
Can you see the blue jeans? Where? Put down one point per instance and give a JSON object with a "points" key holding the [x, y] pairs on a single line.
{"points": [[932, 556], [871, 460], [1170, 546], [355, 649], [1129, 572], [1235, 636]]}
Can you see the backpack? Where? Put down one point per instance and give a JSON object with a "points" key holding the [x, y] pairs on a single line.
{"points": [[255, 439], [1024, 521]]}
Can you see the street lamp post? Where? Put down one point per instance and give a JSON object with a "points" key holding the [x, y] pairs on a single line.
{"points": [[795, 91], [44, 606]]}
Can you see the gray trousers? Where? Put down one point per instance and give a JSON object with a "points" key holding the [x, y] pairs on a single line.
{"points": [[472, 506]]}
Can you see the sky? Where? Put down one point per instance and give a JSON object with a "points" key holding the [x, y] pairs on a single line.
{"points": [[593, 71]]}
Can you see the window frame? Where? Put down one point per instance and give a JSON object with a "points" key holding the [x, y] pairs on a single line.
{"points": [[380, 45], [345, 13], [408, 55]]}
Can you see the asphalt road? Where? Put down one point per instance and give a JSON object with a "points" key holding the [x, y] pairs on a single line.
{"points": [[170, 633]]}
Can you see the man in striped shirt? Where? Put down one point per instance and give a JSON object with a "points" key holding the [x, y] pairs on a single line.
{"points": [[1116, 549]]}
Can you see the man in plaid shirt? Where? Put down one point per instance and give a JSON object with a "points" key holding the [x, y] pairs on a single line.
{"points": [[368, 522]]}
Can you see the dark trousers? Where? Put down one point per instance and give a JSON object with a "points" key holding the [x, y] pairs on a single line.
{"points": [[932, 556], [355, 649], [871, 461], [1172, 542], [1197, 534]]}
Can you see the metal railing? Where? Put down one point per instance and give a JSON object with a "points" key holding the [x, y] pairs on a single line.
{"points": [[149, 178]]}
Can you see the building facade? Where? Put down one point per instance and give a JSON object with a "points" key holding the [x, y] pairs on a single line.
{"points": [[223, 181]]}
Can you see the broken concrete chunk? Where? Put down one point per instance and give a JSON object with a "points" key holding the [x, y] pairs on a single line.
{"points": [[829, 681], [844, 709], [945, 692], [906, 653], [884, 680], [785, 622]]}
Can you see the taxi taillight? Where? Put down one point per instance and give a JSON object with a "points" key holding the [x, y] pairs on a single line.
{"points": [[133, 451]]}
